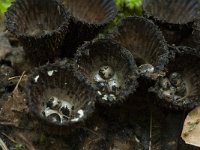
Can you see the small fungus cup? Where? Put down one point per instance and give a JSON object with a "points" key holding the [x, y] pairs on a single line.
{"points": [[88, 18], [145, 41], [174, 17], [59, 97], [40, 26], [109, 67], [180, 88]]}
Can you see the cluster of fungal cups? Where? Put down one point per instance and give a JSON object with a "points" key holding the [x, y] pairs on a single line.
{"points": [[105, 71], [53, 29], [50, 29], [179, 87]]}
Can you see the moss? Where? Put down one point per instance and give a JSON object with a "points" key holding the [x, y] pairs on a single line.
{"points": [[19, 147], [4, 5]]}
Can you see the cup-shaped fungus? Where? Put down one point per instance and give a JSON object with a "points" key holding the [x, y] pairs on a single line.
{"points": [[173, 17], [145, 42], [180, 88], [40, 26], [89, 16], [109, 67], [58, 96]]}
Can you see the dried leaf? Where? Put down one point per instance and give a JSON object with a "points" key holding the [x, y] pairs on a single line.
{"points": [[14, 108], [191, 128]]}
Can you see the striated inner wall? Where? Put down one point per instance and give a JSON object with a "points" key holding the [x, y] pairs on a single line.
{"points": [[35, 17], [91, 11], [172, 11], [143, 39]]}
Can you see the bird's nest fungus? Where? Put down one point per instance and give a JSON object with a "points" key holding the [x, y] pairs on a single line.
{"points": [[74, 71]]}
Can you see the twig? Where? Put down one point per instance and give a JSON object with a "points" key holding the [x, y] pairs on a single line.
{"points": [[15, 77], [8, 124], [11, 78], [19, 81], [150, 132], [10, 138], [92, 132], [28, 144], [3, 145]]}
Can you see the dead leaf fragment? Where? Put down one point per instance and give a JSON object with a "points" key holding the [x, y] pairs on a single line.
{"points": [[15, 107], [191, 128]]}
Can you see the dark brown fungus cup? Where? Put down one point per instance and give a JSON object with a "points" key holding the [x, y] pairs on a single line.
{"points": [[109, 67], [180, 88], [173, 16], [89, 17], [59, 97], [147, 44], [40, 26]]}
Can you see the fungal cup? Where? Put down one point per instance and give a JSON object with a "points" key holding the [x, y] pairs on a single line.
{"points": [[174, 17], [179, 89], [61, 98], [40, 26], [145, 41], [109, 67], [89, 17]]}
